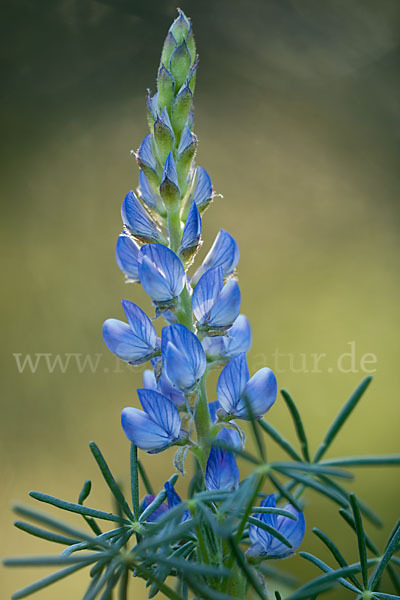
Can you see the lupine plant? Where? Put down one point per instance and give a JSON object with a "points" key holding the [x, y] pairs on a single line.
{"points": [[225, 538]]}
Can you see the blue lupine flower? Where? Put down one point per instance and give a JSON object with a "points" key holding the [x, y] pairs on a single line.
{"points": [[138, 221], [191, 233], [234, 387], [161, 273], [135, 343], [156, 428], [215, 305], [222, 472], [223, 253], [126, 255], [202, 190], [265, 545], [183, 356], [155, 515], [164, 386], [236, 340], [173, 499]]}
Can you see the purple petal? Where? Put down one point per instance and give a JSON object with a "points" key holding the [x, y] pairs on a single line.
{"points": [[223, 253], [145, 433]]}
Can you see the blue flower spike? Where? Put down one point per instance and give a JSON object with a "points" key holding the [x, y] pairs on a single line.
{"points": [[235, 389], [156, 427], [161, 274], [191, 235], [237, 340], [173, 499], [155, 515], [136, 341], [138, 222], [215, 305], [126, 255], [222, 472], [223, 253], [183, 357], [265, 545]]}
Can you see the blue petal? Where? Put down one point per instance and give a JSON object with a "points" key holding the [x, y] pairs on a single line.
{"points": [[192, 230], [137, 221], [189, 347], [226, 307], [223, 253], [231, 383], [202, 190], [231, 437], [133, 343], [270, 519], [222, 472], [126, 254], [239, 337], [178, 367], [187, 139], [294, 531], [166, 387], [149, 380], [146, 192], [164, 118], [173, 499], [145, 154], [152, 104], [145, 433], [212, 408], [261, 391], [169, 171], [141, 326], [162, 412], [206, 292], [157, 514], [160, 272]]}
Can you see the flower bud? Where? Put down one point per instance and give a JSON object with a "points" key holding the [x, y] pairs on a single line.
{"points": [[169, 188], [165, 87], [180, 108], [163, 135], [179, 64]]}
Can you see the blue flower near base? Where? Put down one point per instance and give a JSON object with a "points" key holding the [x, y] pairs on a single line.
{"points": [[266, 545]]}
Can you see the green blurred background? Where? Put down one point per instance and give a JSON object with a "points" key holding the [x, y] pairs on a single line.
{"points": [[298, 121]]}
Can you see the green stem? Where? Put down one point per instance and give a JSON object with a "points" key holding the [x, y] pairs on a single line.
{"points": [[185, 311], [174, 228], [203, 422]]}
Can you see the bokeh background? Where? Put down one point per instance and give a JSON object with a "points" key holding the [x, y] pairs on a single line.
{"points": [[297, 112]]}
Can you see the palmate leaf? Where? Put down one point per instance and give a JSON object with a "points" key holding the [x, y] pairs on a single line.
{"points": [[335, 552]]}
